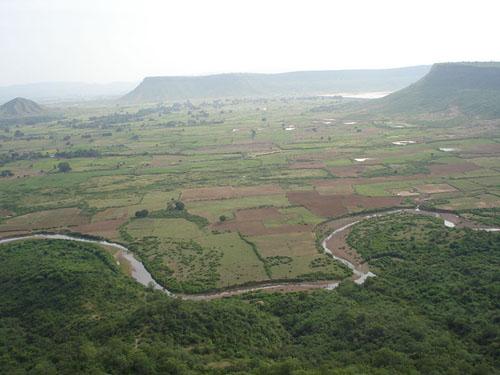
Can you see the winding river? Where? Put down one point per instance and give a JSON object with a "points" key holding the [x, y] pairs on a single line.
{"points": [[142, 276]]}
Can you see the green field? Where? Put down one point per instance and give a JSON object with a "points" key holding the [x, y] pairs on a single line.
{"points": [[129, 158]]}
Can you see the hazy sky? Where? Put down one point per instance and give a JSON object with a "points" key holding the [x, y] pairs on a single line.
{"points": [[125, 40]]}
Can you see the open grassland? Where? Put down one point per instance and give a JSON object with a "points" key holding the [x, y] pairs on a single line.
{"points": [[255, 178], [188, 258]]}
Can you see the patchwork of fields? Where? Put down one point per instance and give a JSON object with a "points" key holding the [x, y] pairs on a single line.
{"points": [[254, 179]]}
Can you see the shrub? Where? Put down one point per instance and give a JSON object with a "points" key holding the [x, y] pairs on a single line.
{"points": [[64, 167], [141, 213]]}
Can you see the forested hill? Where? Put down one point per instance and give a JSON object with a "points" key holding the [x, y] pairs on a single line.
{"points": [[471, 89], [237, 85]]}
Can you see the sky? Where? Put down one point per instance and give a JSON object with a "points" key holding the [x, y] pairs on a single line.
{"points": [[125, 40]]}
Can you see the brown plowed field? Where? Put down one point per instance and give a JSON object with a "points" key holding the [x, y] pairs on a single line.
{"points": [[348, 171], [447, 169], [249, 222], [106, 229], [338, 205], [258, 214], [48, 219]]}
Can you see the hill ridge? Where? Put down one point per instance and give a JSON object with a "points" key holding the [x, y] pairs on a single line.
{"points": [[20, 107], [298, 83], [471, 88]]}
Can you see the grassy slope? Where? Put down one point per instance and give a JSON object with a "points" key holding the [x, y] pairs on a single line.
{"points": [[472, 88], [20, 107]]}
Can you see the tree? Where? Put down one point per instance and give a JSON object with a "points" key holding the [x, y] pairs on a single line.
{"points": [[175, 205], [64, 167], [6, 173], [142, 213], [222, 218]]}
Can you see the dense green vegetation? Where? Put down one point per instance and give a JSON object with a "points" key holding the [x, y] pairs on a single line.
{"points": [[432, 309], [66, 308], [487, 216]]}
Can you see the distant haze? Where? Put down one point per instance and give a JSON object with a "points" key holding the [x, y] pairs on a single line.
{"points": [[126, 40]]}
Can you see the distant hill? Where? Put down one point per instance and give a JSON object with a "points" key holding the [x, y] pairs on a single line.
{"points": [[21, 107], [236, 85], [66, 91], [472, 89]]}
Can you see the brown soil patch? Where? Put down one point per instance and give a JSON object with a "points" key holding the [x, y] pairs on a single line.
{"points": [[112, 213], [446, 169], [484, 149], [48, 219], [26, 172], [8, 234], [227, 192], [348, 171], [5, 213], [322, 205], [435, 188], [357, 202], [339, 247], [247, 228], [249, 222], [106, 229], [338, 205], [258, 214]]}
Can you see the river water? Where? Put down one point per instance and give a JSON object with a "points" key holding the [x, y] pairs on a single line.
{"points": [[142, 275]]}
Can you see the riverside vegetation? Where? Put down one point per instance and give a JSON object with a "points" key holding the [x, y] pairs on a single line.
{"points": [[432, 309]]}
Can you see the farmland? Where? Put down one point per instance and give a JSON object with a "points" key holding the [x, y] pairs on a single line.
{"points": [[233, 191]]}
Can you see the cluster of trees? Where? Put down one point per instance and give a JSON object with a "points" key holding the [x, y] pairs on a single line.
{"points": [[6, 173], [432, 309], [91, 153], [10, 156], [172, 205], [63, 167], [141, 213]]}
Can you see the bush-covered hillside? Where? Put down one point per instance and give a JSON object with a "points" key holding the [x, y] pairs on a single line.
{"points": [[432, 309]]}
